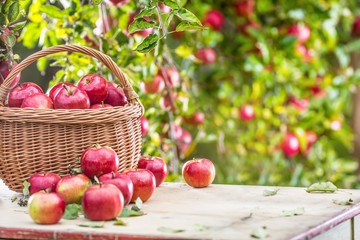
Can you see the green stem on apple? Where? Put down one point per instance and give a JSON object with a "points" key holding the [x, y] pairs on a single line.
{"points": [[97, 146]]}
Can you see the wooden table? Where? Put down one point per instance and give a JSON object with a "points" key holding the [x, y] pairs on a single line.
{"points": [[227, 211]]}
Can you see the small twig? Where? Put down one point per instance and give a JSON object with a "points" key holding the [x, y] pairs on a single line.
{"points": [[161, 22]]}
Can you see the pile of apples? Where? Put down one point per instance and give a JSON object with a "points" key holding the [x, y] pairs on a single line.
{"points": [[92, 91], [49, 194]]}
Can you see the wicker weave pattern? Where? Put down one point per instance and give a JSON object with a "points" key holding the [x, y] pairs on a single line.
{"points": [[34, 140]]}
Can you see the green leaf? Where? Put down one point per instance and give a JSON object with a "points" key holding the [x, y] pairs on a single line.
{"points": [[343, 202], [270, 192], [294, 212], [120, 223], [5, 7], [260, 233], [199, 227], [186, 15], [96, 179], [96, 2], [186, 26], [52, 11], [13, 199], [182, 2], [169, 230], [140, 24], [2, 20], [93, 224], [322, 187], [121, 38], [14, 11], [130, 213], [72, 211], [171, 4], [145, 12], [170, 17], [148, 43], [41, 64], [26, 185], [18, 25], [138, 203]]}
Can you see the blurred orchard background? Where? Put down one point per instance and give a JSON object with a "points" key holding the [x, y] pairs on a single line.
{"points": [[267, 90]]}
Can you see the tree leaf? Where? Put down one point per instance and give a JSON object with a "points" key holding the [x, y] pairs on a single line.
{"points": [[294, 212], [26, 185], [2, 20], [343, 202], [260, 233], [322, 187], [182, 2], [130, 213], [14, 11], [72, 211], [96, 2], [171, 4], [148, 43], [145, 12], [140, 24], [18, 25], [169, 230], [186, 26], [170, 17], [270, 192], [5, 7], [52, 11], [186, 15], [93, 224], [120, 223], [199, 227]]}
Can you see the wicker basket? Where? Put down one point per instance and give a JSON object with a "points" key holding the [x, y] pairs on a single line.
{"points": [[34, 140]]}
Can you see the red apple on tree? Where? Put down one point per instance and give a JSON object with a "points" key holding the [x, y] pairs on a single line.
{"points": [[97, 160], [72, 187], [20, 92], [317, 91], [4, 70], [156, 165], [144, 125], [301, 31], [154, 86], [303, 52], [122, 182], [117, 3], [143, 33], [311, 138], [100, 105], [95, 86], [56, 88], [46, 208], [144, 183], [247, 112], [102, 202], [245, 7], [165, 102], [196, 119], [206, 55], [165, 8], [71, 97], [116, 95], [198, 172], [37, 100], [300, 104], [356, 27], [172, 75], [43, 181], [290, 145], [102, 26], [214, 19]]}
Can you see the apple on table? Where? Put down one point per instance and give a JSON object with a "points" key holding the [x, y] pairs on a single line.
{"points": [[144, 183], [156, 165], [46, 208], [72, 187], [199, 172], [43, 181], [122, 182]]}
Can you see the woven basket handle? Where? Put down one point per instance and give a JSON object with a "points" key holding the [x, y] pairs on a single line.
{"points": [[103, 58]]}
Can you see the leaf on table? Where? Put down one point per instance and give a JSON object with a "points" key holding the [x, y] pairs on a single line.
{"points": [[23, 202], [93, 224], [13, 199], [247, 217], [26, 185], [130, 213], [322, 187], [343, 202], [199, 227], [270, 192], [72, 211], [293, 212], [120, 223], [170, 230], [138, 203], [260, 233]]}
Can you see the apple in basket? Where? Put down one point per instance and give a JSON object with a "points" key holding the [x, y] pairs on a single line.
{"points": [[37, 100], [198, 172], [43, 181], [144, 183], [72, 187], [97, 160], [20, 92], [102, 202], [122, 182], [46, 208], [116, 95], [71, 97], [156, 165], [4, 71], [95, 86], [100, 105], [56, 88]]}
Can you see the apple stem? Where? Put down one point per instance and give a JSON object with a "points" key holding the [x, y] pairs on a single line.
{"points": [[100, 183], [71, 172], [97, 146], [102, 103], [112, 175]]}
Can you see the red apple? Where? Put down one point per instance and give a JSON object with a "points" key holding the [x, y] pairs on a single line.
{"points": [[117, 3], [181, 135], [317, 92], [154, 86], [72, 187], [356, 27], [144, 125], [303, 52], [56, 88], [302, 32], [95, 86], [4, 70], [165, 102], [37, 100], [155, 165], [165, 8], [335, 125], [245, 7], [247, 112], [43, 181], [116, 95], [97, 160], [20, 92], [290, 145], [71, 97], [144, 183], [196, 119], [100, 105], [102, 202], [300, 104], [198, 172], [46, 208], [172, 75], [214, 19], [206, 55], [122, 182], [143, 33]]}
